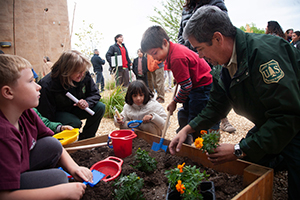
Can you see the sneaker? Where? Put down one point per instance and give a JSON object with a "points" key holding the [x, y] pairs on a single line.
{"points": [[160, 100], [226, 126]]}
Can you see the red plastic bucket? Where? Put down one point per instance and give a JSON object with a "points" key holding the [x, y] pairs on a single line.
{"points": [[121, 142]]}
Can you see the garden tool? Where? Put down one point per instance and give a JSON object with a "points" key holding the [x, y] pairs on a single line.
{"points": [[97, 176], [134, 123], [89, 146], [157, 146]]}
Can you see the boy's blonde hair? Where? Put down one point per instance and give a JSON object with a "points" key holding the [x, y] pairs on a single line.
{"points": [[10, 68], [68, 63]]}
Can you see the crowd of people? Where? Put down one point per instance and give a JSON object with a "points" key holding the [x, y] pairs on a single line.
{"points": [[218, 68]]}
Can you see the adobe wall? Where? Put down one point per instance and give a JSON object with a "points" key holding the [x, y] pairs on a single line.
{"points": [[33, 31]]}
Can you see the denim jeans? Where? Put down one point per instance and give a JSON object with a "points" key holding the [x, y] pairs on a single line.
{"points": [[193, 105], [100, 79]]}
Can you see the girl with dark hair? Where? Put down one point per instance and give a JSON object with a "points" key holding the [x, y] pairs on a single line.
{"points": [[140, 105], [296, 39], [274, 28]]}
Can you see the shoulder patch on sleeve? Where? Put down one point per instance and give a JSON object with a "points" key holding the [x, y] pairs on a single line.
{"points": [[271, 72]]}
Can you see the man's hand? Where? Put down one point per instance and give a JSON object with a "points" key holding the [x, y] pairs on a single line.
{"points": [[176, 143], [222, 154]]}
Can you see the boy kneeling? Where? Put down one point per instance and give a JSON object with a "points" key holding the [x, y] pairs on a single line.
{"points": [[28, 152]]}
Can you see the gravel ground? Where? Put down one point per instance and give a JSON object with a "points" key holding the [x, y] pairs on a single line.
{"points": [[241, 124]]}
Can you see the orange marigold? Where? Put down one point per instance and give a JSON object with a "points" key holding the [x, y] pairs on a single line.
{"points": [[180, 187], [199, 143], [180, 167], [203, 132]]}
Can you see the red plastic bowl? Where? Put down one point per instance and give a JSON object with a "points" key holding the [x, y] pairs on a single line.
{"points": [[111, 167]]}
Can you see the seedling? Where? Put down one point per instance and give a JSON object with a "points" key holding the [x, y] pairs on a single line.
{"points": [[186, 180], [128, 187], [144, 162]]}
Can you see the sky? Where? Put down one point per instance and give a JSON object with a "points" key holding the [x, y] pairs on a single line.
{"points": [[131, 17]]}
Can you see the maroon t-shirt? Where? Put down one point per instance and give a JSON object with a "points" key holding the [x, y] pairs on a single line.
{"points": [[15, 146]]}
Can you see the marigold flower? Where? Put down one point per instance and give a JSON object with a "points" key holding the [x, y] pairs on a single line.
{"points": [[180, 167], [199, 143], [180, 187], [203, 132]]}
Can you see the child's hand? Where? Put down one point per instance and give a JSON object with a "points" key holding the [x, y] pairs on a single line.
{"points": [[82, 104], [83, 173], [66, 127], [74, 190], [171, 107], [120, 120], [147, 118]]}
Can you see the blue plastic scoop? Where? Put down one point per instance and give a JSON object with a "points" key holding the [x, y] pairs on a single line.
{"points": [[97, 176]]}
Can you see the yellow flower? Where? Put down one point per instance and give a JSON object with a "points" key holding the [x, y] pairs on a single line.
{"points": [[203, 132], [180, 187], [199, 143], [180, 167]]}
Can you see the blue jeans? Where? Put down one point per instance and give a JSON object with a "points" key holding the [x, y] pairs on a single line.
{"points": [[100, 79], [193, 105]]}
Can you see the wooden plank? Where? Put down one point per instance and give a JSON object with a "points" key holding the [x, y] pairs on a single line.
{"points": [[262, 188], [94, 140], [251, 173], [234, 167], [258, 178]]}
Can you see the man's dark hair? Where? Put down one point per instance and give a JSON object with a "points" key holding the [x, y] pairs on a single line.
{"points": [[117, 36]]}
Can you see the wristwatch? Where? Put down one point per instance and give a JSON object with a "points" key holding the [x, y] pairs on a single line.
{"points": [[237, 151]]}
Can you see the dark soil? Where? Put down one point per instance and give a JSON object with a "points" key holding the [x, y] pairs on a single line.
{"points": [[156, 184]]}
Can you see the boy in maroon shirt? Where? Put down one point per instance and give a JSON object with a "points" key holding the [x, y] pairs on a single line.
{"points": [[28, 153], [190, 72]]}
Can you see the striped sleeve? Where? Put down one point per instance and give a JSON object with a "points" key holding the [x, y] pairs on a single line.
{"points": [[185, 89]]}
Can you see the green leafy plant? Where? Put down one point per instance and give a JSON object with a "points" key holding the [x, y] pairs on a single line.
{"points": [[144, 162], [110, 85], [128, 187], [115, 99], [208, 142], [186, 180]]}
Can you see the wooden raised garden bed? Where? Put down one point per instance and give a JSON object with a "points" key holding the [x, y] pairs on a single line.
{"points": [[257, 180]]}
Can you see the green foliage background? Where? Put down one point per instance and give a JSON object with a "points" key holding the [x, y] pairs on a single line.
{"points": [[253, 28], [169, 18], [89, 39]]}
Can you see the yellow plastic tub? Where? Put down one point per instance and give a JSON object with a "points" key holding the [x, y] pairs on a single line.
{"points": [[67, 136]]}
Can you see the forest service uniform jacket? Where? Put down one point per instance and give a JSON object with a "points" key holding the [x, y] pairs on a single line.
{"points": [[53, 95], [265, 89]]}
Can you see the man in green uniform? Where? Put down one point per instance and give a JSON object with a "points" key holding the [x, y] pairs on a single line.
{"points": [[260, 79]]}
